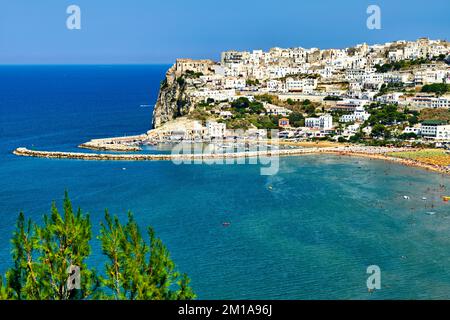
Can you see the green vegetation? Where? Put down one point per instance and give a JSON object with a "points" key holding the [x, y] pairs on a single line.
{"points": [[267, 98], [238, 123], [164, 83], [296, 119], [351, 51], [181, 82], [301, 106], [290, 102], [387, 121], [199, 114], [380, 131], [435, 114], [244, 106], [181, 109], [264, 122], [401, 65], [250, 82], [45, 258], [407, 136], [247, 114], [307, 107], [332, 98], [386, 115], [413, 120], [192, 75], [391, 87], [301, 76], [357, 138], [207, 104], [437, 88], [189, 74]]}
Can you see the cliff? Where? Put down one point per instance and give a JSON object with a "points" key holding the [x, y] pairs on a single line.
{"points": [[174, 98]]}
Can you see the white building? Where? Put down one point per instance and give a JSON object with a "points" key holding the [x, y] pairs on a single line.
{"points": [[276, 86], [428, 101], [324, 122], [217, 95], [416, 130], [360, 115], [300, 85], [443, 133], [432, 129], [216, 130], [351, 130], [226, 114], [235, 83], [274, 110]]}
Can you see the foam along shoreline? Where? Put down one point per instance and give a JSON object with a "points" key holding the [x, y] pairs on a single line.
{"points": [[379, 153]]}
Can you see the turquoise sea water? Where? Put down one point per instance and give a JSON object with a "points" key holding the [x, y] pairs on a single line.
{"points": [[312, 236]]}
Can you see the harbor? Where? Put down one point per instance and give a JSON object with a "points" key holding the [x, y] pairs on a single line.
{"points": [[380, 153]]}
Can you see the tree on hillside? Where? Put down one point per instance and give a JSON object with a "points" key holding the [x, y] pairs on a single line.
{"points": [[387, 115], [437, 88], [296, 119], [379, 131]]}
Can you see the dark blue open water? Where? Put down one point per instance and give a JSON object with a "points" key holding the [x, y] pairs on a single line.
{"points": [[311, 237]]}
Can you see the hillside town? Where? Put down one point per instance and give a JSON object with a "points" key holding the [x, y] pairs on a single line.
{"points": [[393, 91]]}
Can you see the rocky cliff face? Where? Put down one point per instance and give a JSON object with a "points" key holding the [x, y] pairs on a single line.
{"points": [[173, 100]]}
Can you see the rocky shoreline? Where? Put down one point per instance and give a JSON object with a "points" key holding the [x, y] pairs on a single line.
{"points": [[366, 152]]}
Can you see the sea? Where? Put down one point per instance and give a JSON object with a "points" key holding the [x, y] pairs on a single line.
{"points": [[313, 230]]}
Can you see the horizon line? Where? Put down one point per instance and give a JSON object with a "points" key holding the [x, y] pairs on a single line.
{"points": [[213, 59], [83, 64]]}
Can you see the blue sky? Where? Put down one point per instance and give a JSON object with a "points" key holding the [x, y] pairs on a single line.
{"points": [[155, 31]]}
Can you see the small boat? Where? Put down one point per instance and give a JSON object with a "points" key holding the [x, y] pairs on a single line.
{"points": [[270, 188], [406, 197], [226, 224], [424, 199], [431, 213]]}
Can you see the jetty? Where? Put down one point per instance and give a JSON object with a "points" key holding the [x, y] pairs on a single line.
{"points": [[119, 144], [380, 153]]}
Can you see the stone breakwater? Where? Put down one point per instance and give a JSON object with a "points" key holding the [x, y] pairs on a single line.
{"points": [[380, 153], [120, 144], [159, 157]]}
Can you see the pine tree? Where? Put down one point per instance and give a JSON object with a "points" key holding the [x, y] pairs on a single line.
{"points": [[5, 292], [64, 244], [137, 270], [43, 256], [23, 278], [50, 261]]}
